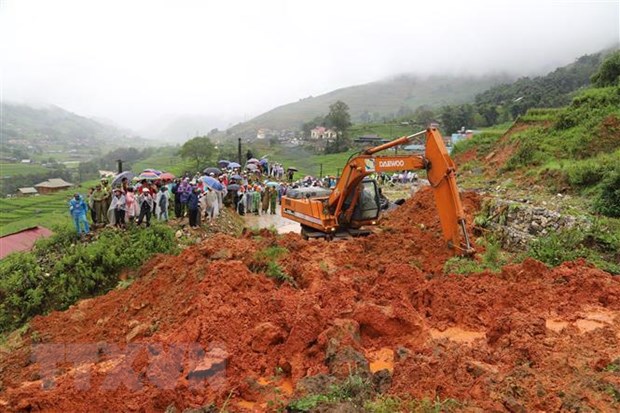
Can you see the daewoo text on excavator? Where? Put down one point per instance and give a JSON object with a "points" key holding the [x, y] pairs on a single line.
{"points": [[355, 200]]}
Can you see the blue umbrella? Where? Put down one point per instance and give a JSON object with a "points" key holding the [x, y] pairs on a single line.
{"points": [[271, 183], [213, 183], [234, 165], [223, 163]]}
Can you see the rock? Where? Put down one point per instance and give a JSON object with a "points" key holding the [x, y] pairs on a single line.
{"points": [[382, 380], [319, 384], [138, 330], [402, 353], [347, 361], [376, 320], [343, 332], [213, 362], [513, 406], [265, 335]]}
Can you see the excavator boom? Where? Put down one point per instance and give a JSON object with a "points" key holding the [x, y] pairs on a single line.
{"points": [[346, 207]]}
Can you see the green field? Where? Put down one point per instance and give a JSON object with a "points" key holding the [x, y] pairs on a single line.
{"points": [[45, 210], [13, 169]]}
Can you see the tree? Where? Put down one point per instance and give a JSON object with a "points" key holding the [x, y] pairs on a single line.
{"points": [[339, 119], [199, 149], [608, 73]]}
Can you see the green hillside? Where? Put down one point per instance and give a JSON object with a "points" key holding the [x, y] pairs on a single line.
{"points": [[375, 101], [574, 150]]}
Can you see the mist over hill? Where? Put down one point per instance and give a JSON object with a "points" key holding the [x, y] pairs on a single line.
{"points": [[52, 129]]}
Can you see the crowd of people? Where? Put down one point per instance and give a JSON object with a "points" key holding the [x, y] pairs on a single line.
{"points": [[255, 189], [123, 201]]}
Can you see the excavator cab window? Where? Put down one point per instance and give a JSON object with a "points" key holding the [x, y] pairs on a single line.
{"points": [[367, 207]]}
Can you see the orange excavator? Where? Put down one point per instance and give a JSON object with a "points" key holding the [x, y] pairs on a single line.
{"points": [[355, 201]]}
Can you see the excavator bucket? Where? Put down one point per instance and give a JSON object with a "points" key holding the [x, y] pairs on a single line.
{"points": [[441, 172]]}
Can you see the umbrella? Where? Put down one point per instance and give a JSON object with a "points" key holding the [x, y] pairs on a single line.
{"points": [[166, 176], [251, 166], [271, 183], [234, 165], [223, 163], [292, 168], [264, 161], [155, 171], [233, 187], [236, 177], [212, 182], [149, 176], [212, 170], [118, 178], [253, 160]]}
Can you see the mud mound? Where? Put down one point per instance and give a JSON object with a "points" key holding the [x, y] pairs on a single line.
{"points": [[208, 326]]}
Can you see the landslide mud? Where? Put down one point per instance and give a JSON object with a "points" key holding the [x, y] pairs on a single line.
{"points": [[208, 326]]}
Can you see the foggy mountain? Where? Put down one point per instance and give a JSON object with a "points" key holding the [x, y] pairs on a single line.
{"points": [[53, 128]]}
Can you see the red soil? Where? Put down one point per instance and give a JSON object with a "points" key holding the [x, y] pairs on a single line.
{"points": [[528, 339]]}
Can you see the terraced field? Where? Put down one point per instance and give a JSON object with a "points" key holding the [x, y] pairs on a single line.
{"points": [[46, 210]]}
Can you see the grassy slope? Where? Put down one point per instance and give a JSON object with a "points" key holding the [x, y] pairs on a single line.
{"points": [[45, 210]]}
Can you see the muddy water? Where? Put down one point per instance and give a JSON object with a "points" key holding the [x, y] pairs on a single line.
{"points": [[283, 225]]}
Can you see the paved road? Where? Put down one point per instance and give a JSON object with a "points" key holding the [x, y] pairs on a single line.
{"points": [[283, 225]]}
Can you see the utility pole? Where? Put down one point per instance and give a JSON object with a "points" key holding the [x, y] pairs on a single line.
{"points": [[239, 151], [119, 162], [321, 173]]}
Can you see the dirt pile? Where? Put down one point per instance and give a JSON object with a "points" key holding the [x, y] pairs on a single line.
{"points": [[208, 326]]}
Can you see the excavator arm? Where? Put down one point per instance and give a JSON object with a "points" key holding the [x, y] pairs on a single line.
{"points": [[441, 172]]}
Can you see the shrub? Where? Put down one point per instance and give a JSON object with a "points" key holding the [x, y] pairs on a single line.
{"points": [[599, 244], [608, 200], [62, 270]]}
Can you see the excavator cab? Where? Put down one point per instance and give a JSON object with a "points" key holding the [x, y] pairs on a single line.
{"points": [[368, 205]]}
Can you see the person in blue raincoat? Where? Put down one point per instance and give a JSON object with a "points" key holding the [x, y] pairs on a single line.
{"points": [[78, 209]]}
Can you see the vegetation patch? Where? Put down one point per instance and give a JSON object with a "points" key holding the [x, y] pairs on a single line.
{"points": [[62, 269]]}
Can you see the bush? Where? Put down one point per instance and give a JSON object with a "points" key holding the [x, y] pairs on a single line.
{"points": [[600, 245], [608, 201], [62, 270], [586, 173]]}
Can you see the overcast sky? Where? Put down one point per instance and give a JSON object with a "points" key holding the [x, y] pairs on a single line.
{"points": [[133, 61]]}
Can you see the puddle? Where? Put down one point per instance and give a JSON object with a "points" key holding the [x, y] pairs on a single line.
{"points": [[457, 334], [382, 359]]}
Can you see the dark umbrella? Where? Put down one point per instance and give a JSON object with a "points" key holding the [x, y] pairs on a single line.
{"points": [[236, 177], [223, 163], [292, 168], [233, 165], [118, 178], [233, 187], [212, 170]]}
